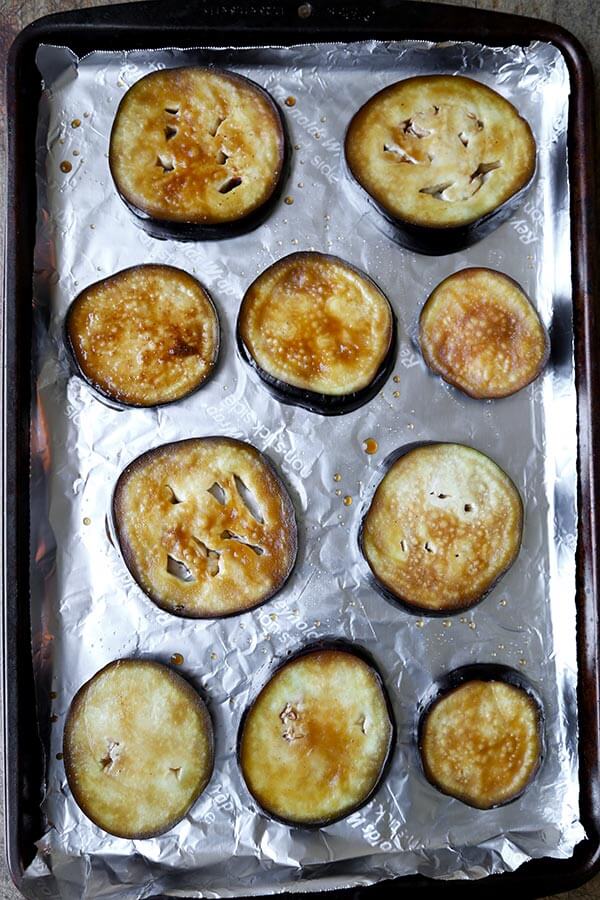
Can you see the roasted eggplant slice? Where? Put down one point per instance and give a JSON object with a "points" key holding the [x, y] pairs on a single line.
{"points": [[205, 526], [145, 336], [197, 153], [444, 524], [479, 331], [138, 748], [481, 739], [318, 332], [444, 158], [314, 744]]}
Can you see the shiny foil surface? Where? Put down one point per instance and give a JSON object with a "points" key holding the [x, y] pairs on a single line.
{"points": [[86, 609]]}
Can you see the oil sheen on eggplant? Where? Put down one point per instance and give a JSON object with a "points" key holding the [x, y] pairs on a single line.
{"points": [[206, 527], [444, 158], [318, 332], [138, 748], [143, 337], [184, 153], [481, 739], [444, 525], [315, 742], [480, 332]]}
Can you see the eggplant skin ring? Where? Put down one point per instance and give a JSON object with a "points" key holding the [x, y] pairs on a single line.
{"points": [[318, 332], [145, 336], [197, 153], [444, 525], [481, 741], [315, 743], [480, 332], [138, 748], [205, 526], [444, 158]]}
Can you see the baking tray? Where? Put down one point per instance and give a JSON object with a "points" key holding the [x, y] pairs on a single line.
{"points": [[192, 23]]}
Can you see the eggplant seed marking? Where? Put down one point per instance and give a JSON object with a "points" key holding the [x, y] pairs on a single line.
{"points": [[172, 110], [174, 499], [468, 507], [212, 131], [400, 152], [292, 732], [167, 164], [436, 190], [222, 157], [178, 569], [218, 492], [230, 536], [210, 555], [176, 770], [112, 755], [170, 132], [230, 184], [409, 126], [248, 499], [429, 548]]}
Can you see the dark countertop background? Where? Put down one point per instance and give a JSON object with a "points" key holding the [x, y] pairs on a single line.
{"points": [[581, 17]]}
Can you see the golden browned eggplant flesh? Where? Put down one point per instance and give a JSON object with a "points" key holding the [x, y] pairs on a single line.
{"points": [[481, 741], [480, 332], [138, 748], [315, 742], [318, 331], [197, 146], [205, 526], [444, 524], [440, 152], [145, 336]]}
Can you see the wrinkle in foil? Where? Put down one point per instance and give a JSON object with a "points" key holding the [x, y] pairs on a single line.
{"points": [[86, 610]]}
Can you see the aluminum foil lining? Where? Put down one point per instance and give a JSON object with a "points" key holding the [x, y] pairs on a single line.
{"points": [[86, 609]]}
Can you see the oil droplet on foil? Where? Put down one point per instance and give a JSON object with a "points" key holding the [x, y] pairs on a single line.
{"points": [[76, 153], [503, 602], [288, 200], [87, 521], [65, 166], [177, 659], [447, 623], [347, 500], [75, 123], [290, 101], [337, 477], [338, 493], [213, 656], [59, 756], [420, 623], [396, 379], [370, 446], [53, 695], [396, 394]]}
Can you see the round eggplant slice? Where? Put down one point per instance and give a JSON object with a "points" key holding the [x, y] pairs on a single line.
{"points": [[318, 332], [314, 743], [444, 524], [479, 331], [205, 526], [197, 152], [481, 741], [444, 158], [145, 336], [138, 748]]}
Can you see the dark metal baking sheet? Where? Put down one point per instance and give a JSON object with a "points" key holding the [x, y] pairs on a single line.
{"points": [[285, 23]]}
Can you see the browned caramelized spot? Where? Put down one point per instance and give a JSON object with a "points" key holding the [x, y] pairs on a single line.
{"points": [[216, 123], [146, 335], [481, 742], [479, 331], [315, 322]]}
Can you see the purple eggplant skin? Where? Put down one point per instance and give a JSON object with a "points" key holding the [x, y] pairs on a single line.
{"points": [[479, 672], [165, 230], [325, 643], [441, 241], [368, 573]]}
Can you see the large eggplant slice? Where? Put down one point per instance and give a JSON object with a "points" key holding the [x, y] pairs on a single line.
{"points": [[197, 153], [145, 336], [314, 744], [444, 524], [481, 737], [479, 331], [138, 748], [205, 526], [318, 332], [444, 158]]}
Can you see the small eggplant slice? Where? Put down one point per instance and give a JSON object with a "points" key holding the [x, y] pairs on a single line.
{"points": [[145, 336], [443, 526], [444, 158], [197, 153], [315, 742], [318, 332], [138, 748], [480, 332], [481, 740], [205, 526]]}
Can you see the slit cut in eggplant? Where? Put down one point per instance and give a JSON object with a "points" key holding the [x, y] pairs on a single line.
{"points": [[444, 525], [184, 153], [314, 745], [481, 737], [143, 337], [443, 158], [480, 332], [189, 534], [318, 332], [138, 748]]}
